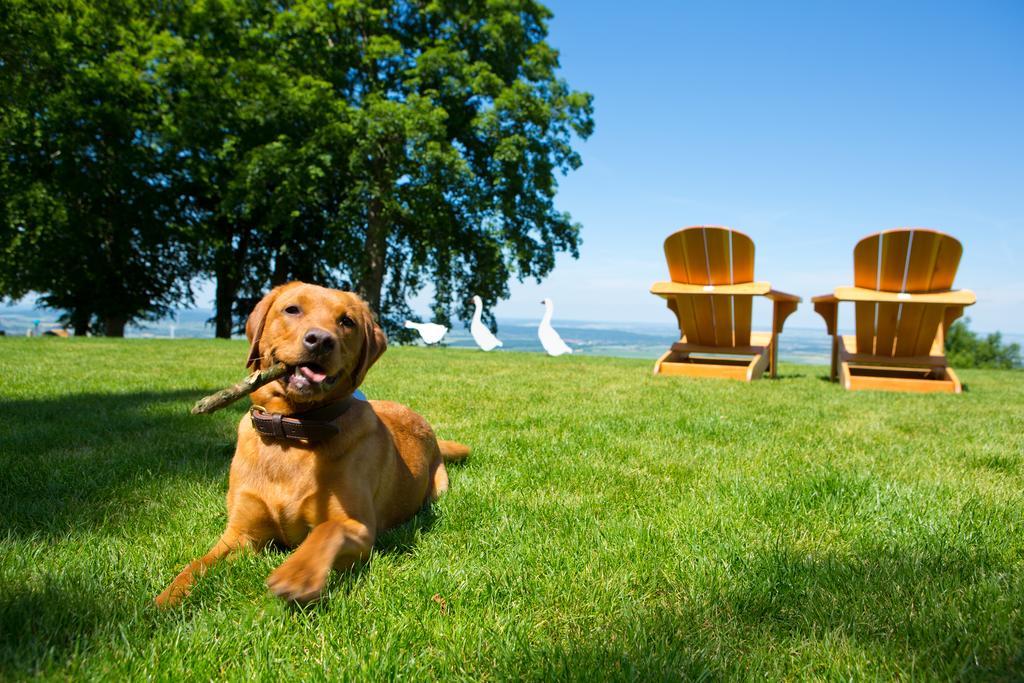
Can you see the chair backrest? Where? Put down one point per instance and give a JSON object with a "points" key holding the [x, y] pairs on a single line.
{"points": [[708, 255], [910, 260]]}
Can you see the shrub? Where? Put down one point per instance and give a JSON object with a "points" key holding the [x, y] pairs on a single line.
{"points": [[966, 349]]}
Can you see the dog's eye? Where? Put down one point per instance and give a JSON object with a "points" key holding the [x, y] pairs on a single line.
{"points": [[293, 310], [346, 321]]}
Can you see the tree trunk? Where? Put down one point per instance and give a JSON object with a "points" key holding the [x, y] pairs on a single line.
{"points": [[224, 301], [228, 266], [227, 289], [375, 258], [80, 321], [113, 326], [280, 273]]}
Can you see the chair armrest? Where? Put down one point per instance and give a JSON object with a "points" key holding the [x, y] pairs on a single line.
{"points": [[783, 306], [957, 297], [776, 295], [827, 306], [747, 288]]}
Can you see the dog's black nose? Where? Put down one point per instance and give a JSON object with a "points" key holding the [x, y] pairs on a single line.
{"points": [[318, 341]]}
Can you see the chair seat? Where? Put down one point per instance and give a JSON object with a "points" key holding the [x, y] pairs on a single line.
{"points": [[758, 342], [744, 363], [849, 346], [860, 371]]}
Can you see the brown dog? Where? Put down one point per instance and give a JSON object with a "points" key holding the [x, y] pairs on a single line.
{"points": [[328, 498]]}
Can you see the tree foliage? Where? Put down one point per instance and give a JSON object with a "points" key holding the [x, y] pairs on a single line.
{"points": [[383, 144], [966, 349], [380, 144], [254, 140], [88, 215]]}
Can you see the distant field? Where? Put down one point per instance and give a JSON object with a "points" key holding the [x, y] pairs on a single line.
{"points": [[608, 525]]}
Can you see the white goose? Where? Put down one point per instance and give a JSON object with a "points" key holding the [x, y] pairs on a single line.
{"points": [[431, 333], [481, 335], [549, 339]]}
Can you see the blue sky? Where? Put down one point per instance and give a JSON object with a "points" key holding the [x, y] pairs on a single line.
{"points": [[805, 125]]}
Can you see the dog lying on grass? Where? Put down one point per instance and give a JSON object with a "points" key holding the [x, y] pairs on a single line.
{"points": [[327, 482]]}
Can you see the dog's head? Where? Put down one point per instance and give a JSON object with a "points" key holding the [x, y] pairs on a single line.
{"points": [[327, 338]]}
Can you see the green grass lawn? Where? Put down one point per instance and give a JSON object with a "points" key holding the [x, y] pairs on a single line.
{"points": [[609, 524]]}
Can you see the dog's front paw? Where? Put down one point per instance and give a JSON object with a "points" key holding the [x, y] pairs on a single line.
{"points": [[171, 596], [165, 600], [298, 581]]}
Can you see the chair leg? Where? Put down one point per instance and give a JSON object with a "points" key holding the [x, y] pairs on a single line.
{"points": [[835, 358], [757, 365], [657, 363], [774, 356], [951, 376], [845, 372]]}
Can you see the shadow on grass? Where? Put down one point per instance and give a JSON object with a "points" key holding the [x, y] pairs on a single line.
{"points": [[40, 625], [69, 460], [944, 613], [402, 539], [783, 376]]}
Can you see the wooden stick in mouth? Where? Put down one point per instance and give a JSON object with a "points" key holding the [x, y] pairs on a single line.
{"points": [[225, 397]]}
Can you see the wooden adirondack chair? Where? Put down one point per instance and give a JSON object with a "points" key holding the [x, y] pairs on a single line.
{"points": [[903, 307], [711, 293]]}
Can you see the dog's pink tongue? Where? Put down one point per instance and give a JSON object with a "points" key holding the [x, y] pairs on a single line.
{"points": [[312, 375]]}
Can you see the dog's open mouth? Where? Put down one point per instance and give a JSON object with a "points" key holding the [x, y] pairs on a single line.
{"points": [[309, 377]]}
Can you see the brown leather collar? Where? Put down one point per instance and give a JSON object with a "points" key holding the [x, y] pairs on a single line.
{"points": [[312, 426]]}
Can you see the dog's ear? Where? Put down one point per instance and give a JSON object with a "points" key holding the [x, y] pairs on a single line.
{"points": [[374, 346], [257, 321]]}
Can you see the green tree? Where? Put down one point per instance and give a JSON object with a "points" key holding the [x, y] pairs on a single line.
{"points": [[462, 126], [378, 144], [253, 138], [89, 216], [966, 349], [383, 144]]}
